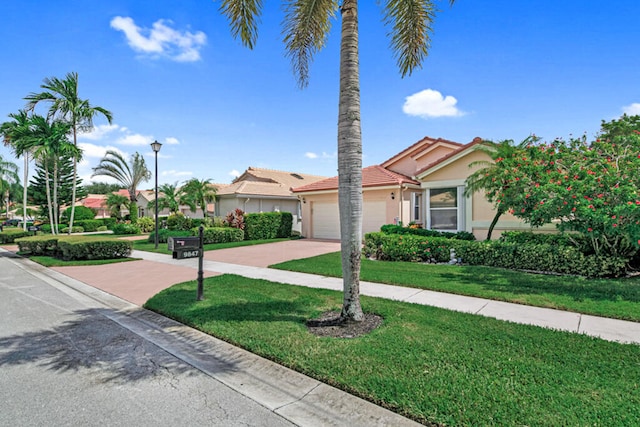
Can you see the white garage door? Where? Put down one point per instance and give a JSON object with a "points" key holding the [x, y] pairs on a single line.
{"points": [[326, 219]]}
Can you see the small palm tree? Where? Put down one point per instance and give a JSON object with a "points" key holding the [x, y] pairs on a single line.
{"points": [[129, 175], [11, 132], [8, 176], [67, 105], [115, 202], [200, 192], [493, 176], [169, 197]]}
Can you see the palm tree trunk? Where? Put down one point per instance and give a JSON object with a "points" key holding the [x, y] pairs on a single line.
{"points": [[56, 205], [24, 190], [49, 205], [350, 163], [75, 174]]}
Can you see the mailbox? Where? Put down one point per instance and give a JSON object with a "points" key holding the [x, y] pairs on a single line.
{"points": [[184, 247]]}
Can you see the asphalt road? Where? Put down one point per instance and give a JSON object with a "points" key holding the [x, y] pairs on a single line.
{"points": [[64, 361]]}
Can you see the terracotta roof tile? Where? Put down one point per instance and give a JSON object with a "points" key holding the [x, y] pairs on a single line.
{"points": [[476, 141], [372, 176]]}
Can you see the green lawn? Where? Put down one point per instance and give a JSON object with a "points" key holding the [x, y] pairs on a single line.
{"points": [[433, 365], [615, 298]]}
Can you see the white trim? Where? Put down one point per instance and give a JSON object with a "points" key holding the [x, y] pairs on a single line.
{"points": [[446, 162], [443, 184]]}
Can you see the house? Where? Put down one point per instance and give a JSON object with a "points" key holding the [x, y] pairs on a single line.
{"points": [[422, 184], [264, 190], [96, 202]]}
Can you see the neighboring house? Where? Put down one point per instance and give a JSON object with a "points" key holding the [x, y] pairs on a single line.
{"points": [[96, 202], [423, 184], [264, 190]]}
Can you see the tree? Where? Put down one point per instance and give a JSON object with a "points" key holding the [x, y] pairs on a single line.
{"points": [[115, 203], [100, 188], [306, 27], [8, 176], [199, 192], [496, 177], [169, 197], [66, 104], [129, 175], [11, 132]]}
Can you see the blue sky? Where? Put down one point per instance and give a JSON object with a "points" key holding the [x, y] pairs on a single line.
{"points": [[171, 71]]}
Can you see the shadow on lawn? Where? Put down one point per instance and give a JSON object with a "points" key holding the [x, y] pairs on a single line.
{"points": [[507, 281]]}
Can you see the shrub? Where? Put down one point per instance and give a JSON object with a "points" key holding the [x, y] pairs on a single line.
{"points": [[102, 228], [535, 257], [93, 248], [146, 224], [221, 235], [164, 234], [268, 225], [178, 221], [45, 228], [398, 229], [126, 229], [89, 225], [73, 230], [9, 236], [109, 222], [39, 245], [235, 219], [81, 212]]}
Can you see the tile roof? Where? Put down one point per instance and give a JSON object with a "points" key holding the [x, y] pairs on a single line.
{"points": [[289, 179], [417, 147], [476, 141], [372, 176], [95, 201]]}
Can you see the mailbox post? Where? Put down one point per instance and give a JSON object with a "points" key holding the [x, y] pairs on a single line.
{"points": [[200, 295]]}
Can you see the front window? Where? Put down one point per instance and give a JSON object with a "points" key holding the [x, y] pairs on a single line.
{"points": [[443, 208], [417, 204]]}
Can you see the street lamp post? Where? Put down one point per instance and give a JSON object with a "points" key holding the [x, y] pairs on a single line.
{"points": [[155, 146]]}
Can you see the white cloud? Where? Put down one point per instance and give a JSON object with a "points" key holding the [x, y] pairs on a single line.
{"points": [[99, 132], [632, 110], [176, 173], [310, 155], [430, 103], [234, 173], [161, 40], [171, 141], [135, 139], [96, 151]]}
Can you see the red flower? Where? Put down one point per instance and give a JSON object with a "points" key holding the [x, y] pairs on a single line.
{"points": [[591, 229]]}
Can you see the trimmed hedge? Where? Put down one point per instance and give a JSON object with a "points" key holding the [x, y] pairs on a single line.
{"points": [[75, 229], [9, 236], [267, 225], [109, 222], [45, 244], [220, 235], [398, 229], [75, 247], [534, 257], [94, 248], [89, 225]]}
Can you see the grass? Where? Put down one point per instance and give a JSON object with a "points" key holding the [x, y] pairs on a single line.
{"points": [[143, 245], [432, 365], [49, 261], [615, 298]]}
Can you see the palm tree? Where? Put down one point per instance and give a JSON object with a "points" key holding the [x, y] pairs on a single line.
{"points": [[8, 175], [11, 133], [494, 177], [129, 175], [66, 104], [306, 26], [200, 192], [115, 202], [172, 197]]}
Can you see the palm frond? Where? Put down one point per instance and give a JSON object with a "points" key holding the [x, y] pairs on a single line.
{"points": [[306, 25], [243, 16]]}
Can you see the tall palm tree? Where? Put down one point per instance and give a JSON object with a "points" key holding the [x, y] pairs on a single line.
{"points": [[200, 192], [8, 175], [67, 104], [307, 24], [48, 142], [11, 132], [129, 175]]}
